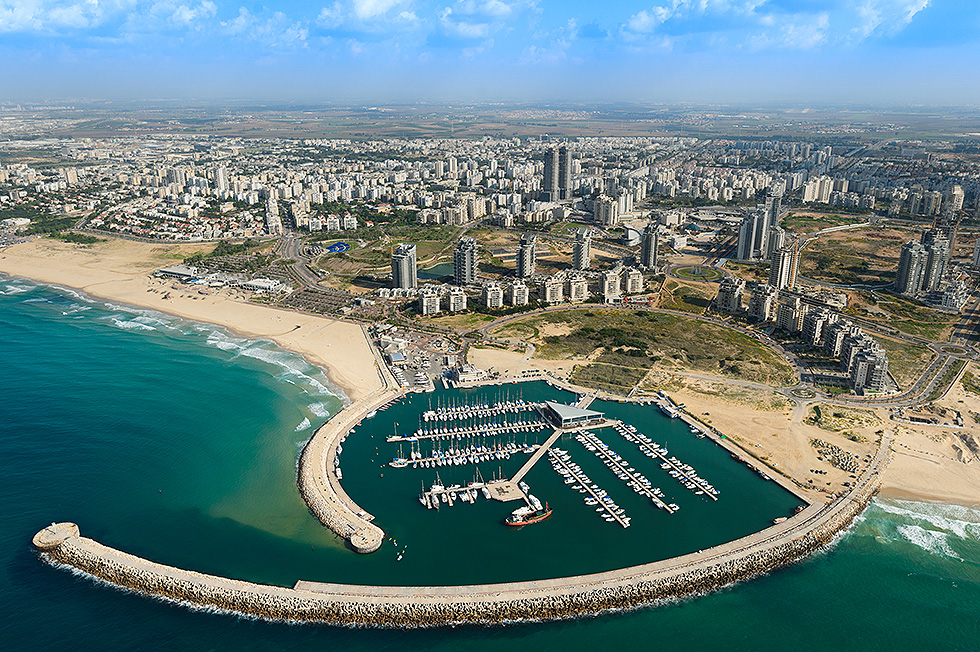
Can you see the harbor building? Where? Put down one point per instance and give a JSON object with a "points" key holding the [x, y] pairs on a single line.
{"points": [[404, 271], [560, 415], [465, 262]]}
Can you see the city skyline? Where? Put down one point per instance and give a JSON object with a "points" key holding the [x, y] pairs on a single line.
{"points": [[492, 50]]}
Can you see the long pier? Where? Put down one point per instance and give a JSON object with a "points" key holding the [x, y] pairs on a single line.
{"points": [[538, 454], [558, 460], [700, 484], [601, 450]]}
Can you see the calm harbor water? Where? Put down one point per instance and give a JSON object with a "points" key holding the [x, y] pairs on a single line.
{"points": [[178, 442]]}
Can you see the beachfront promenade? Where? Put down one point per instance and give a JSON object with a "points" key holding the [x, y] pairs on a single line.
{"points": [[705, 570]]}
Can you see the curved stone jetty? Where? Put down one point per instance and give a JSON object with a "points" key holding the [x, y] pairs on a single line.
{"points": [[320, 487], [432, 606]]}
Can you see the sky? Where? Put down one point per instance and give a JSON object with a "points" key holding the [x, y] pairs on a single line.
{"points": [[573, 51]]}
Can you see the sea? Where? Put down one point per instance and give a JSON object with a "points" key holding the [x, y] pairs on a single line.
{"points": [[178, 441]]}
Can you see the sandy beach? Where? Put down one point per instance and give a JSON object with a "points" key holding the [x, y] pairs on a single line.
{"points": [[119, 270]]}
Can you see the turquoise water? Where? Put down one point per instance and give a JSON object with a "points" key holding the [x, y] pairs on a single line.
{"points": [[178, 442]]}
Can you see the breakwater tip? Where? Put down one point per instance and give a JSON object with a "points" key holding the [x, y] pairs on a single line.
{"points": [[54, 535]]}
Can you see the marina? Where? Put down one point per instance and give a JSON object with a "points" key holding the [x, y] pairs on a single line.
{"points": [[633, 478], [405, 471], [595, 497], [683, 473], [485, 429], [469, 454]]}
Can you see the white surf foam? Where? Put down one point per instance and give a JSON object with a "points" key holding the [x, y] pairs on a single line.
{"points": [[131, 325], [961, 522], [293, 368], [929, 540], [319, 410], [304, 424]]}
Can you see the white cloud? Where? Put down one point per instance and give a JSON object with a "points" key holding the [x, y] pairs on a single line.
{"points": [[886, 16], [370, 8], [461, 28], [276, 30], [757, 24], [193, 16], [55, 15]]}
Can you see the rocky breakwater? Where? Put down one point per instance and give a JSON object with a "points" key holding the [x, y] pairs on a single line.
{"points": [[320, 487], [479, 604]]}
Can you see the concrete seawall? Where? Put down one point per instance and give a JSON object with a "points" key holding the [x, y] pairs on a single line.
{"points": [[404, 607]]}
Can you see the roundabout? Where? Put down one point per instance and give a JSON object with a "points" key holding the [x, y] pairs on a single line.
{"points": [[698, 273]]}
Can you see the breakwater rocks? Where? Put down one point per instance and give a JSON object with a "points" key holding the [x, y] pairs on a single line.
{"points": [[402, 607], [320, 487]]}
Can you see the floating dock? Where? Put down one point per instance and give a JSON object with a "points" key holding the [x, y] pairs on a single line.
{"points": [[482, 430], [634, 479], [561, 462], [685, 473]]}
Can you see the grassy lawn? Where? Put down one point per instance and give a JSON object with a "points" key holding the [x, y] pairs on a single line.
{"points": [[686, 297], [643, 340], [906, 362]]}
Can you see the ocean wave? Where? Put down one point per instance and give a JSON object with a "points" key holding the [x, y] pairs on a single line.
{"points": [[293, 368], [962, 522], [17, 288], [937, 528], [131, 324], [930, 540], [319, 410], [304, 424]]}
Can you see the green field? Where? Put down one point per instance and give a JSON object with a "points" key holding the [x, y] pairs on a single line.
{"points": [[621, 346], [687, 297]]}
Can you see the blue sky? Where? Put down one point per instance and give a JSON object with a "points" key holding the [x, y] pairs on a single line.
{"points": [[920, 51]]}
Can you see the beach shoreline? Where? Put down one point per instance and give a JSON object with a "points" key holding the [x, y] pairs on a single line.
{"points": [[924, 467], [338, 348]]}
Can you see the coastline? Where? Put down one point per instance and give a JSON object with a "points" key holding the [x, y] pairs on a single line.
{"points": [[338, 348], [117, 270]]}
